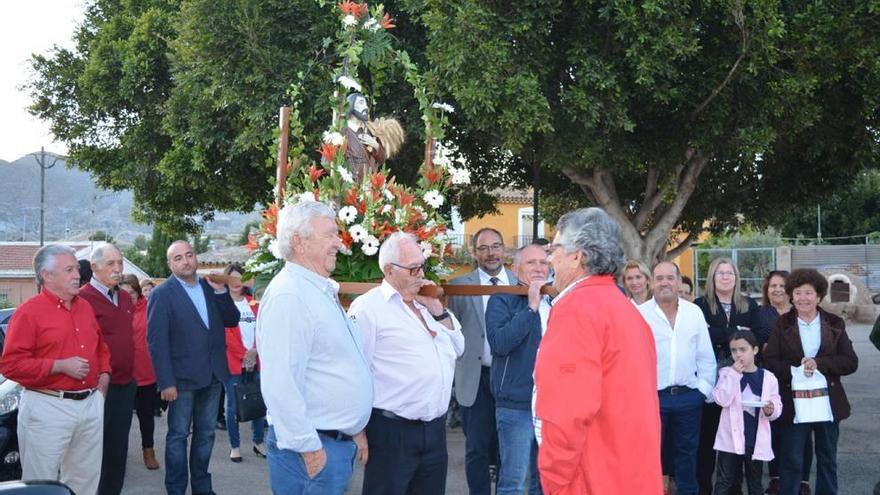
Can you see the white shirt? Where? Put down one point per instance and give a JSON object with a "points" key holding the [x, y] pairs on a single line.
{"points": [[412, 371], [486, 279], [247, 323], [811, 336], [312, 368], [684, 351]]}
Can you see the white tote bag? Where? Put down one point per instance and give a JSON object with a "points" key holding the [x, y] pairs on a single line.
{"points": [[811, 401]]}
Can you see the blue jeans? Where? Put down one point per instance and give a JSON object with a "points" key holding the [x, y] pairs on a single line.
{"points": [[791, 456], [287, 470], [257, 425], [199, 408], [519, 452], [680, 416]]}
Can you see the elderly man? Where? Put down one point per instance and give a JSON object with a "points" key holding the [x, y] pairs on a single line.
{"points": [[595, 375], [685, 371], [514, 326], [472, 388], [55, 350], [411, 343], [315, 379], [114, 311], [187, 318]]}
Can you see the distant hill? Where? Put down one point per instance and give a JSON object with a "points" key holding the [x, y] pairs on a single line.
{"points": [[75, 206]]}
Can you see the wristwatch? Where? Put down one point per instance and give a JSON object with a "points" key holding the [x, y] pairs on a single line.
{"points": [[442, 316]]}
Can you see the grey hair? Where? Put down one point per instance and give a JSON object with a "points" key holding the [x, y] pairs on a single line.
{"points": [[98, 251], [389, 251], [297, 219], [518, 253], [595, 234], [44, 260]]}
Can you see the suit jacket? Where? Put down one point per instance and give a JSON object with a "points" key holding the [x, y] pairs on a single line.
{"points": [[185, 353], [472, 315], [835, 358]]}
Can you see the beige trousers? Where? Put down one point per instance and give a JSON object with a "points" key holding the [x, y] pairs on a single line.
{"points": [[61, 439]]}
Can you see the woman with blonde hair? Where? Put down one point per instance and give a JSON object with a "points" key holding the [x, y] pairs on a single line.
{"points": [[726, 310], [636, 279]]}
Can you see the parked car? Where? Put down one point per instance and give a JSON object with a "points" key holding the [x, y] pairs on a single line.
{"points": [[10, 396], [5, 316], [34, 488]]}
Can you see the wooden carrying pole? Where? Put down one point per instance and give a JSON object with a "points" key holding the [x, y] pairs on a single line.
{"points": [[282, 167]]}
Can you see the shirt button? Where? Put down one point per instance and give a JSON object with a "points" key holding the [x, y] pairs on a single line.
{"points": [[82, 347]]}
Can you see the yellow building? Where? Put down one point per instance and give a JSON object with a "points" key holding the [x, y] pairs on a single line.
{"points": [[514, 220]]}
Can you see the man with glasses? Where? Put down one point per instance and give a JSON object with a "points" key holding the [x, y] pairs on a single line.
{"points": [[472, 388], [411, 343]]}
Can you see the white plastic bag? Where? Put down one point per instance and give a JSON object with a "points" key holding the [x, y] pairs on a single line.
{"points": [[811, 401]]}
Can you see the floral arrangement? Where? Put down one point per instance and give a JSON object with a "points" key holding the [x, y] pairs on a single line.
{"points": [[370, 210]]}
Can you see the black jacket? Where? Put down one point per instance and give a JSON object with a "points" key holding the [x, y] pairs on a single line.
{"points": [[721, 329]]}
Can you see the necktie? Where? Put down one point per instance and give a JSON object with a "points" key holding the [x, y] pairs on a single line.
{"points": [[494, 280]]}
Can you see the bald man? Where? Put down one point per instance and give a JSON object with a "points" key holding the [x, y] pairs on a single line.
{"points": [[186, 321]]}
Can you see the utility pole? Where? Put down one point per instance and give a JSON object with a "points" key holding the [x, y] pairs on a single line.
{"points": [[819, 222], [41, 160]]}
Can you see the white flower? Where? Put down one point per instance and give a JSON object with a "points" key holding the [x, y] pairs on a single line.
{"points": [[306, 196], [372, 25], [358, 233], [349, 83], [388, 194], [345, 174], [444, 106], [349, 21], [460, 176], [427, 249], [370, 246], [385, 209], [273, 248], [333, 138], [348, 214], [434, 198]]}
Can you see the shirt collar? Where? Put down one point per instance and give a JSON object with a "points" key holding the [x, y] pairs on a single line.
{"points": [[103, 289], [298, 270], [54, 299], [485, 278], [183, 282], [388, 292], [813, 324], [568, 289]]}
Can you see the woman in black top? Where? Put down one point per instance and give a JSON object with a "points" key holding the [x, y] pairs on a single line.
{"points": [[726, 310]]}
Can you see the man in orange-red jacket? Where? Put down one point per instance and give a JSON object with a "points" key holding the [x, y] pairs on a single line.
{"points": [[596, 372]]}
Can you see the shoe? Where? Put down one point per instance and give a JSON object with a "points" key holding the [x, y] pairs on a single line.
{"points": [[773, 486], [260, 450], [150, 459], [805, 488], [235, 455], [221, 424]]}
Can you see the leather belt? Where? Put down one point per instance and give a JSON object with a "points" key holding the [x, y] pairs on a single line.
{"points": [[676, 390], [809, 394], [335, 435], [65, 394], [395, 417]]}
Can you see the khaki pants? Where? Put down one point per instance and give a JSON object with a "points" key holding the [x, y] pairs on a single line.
{"points": [[60, 439]]}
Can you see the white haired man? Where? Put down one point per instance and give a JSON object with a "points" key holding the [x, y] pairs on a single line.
{"points": [[411, 343], [315, 380], [55, 350]]}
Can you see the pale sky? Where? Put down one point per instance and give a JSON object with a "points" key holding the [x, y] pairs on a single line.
{"points": [[29, 26]]}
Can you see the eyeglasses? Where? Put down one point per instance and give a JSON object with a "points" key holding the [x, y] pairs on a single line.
{"points": [[725, 274], [490, 247], [413, 270]]}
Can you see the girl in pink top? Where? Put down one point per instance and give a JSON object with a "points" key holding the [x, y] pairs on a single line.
{"points": [[749, 396]]}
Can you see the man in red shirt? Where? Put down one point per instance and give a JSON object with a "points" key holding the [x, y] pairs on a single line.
{"points": [[115, 312], [596, 372], [55, 350]]}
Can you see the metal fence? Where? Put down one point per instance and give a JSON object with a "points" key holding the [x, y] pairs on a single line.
{"points": [[753, 263], [859, 260]]}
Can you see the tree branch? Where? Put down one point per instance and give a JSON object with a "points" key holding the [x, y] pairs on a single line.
{"points": [[651, 201], [739, 18], [688, 178], [682, 246]]}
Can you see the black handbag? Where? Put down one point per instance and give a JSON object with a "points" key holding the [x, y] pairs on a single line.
{"points": [[249, 403]]}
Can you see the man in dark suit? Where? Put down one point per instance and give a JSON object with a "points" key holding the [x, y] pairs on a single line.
{"points": [[472, 369], [186, 321]]}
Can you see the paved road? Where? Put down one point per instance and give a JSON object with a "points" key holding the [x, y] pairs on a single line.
{"points": [[858, 454]]}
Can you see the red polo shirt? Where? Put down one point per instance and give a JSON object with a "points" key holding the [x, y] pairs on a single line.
{"points": [[43, 330]]}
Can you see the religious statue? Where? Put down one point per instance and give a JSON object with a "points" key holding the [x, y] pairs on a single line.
{"points": [[368, 142]]}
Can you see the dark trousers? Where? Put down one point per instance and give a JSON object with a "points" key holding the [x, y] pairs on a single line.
{"points": [[117, 423], [680, 430], [791, 458], [773, 466], [706, 452], [146, 401], [406, 457], [481, 438], [731, 465]]}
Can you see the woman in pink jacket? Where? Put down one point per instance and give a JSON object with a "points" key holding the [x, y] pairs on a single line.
{"points": [[749, 397]]}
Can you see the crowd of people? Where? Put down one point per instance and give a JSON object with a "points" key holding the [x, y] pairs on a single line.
{"points": [[601, 376]]}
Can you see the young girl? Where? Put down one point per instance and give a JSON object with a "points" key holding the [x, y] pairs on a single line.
{"points": [[749, 396]]}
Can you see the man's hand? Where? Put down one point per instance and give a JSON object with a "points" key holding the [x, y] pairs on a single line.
{"points": [[535, 294], [809, 366], [435, 307], [768, 409], [74, 367], [103, 383], [315, 462], [217, 286], [363, 450], [368, 140], [169, 394]]}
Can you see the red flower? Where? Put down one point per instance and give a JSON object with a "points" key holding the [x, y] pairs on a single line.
{"points": [[349, 7], [251, 243], [316, 173], [403, 197], [346, 238], [362, 10], [377, 180], [387, 21], [328, 151], [270, 219], [431, 176]]}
